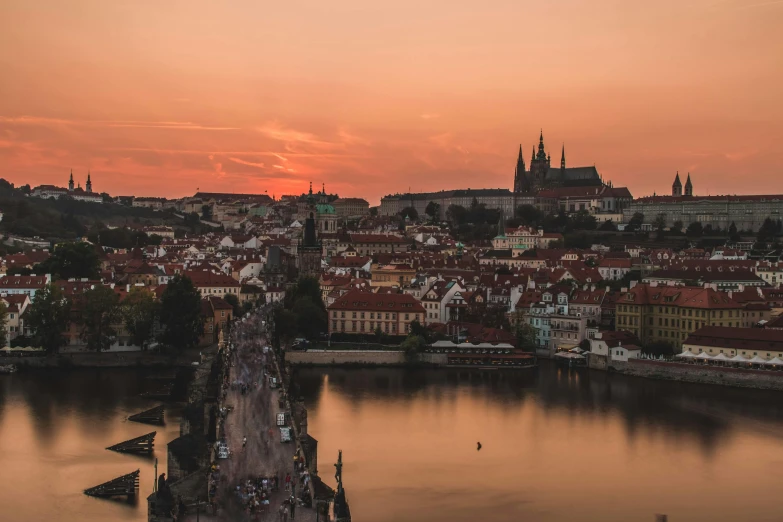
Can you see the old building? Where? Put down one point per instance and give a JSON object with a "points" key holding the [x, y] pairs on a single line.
{"points": [[309, 249], [363, 313]]}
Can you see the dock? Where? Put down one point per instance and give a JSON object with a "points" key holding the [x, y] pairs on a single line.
{"points": [[124, 486], [142, 444], [151, 416]]}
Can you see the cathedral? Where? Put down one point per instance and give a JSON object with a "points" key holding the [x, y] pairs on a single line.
{"points": [[543, 176]]}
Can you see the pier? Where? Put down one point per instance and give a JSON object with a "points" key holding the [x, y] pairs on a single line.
{"points": [[124, 486], [142, 444], [152, 416]]}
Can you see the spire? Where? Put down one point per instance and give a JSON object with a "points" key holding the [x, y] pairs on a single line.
{"points": [[677, 185], [323, 188], [541, 154], [70, 181], [520, 153], [562, 158], [533, 157], [88, 176], [311, 188], [689, 186], [71, 174]]}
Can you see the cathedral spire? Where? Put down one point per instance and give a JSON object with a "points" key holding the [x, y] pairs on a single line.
{"points": [[677, 185], [541, 153], [689, 186], [562, 158]]}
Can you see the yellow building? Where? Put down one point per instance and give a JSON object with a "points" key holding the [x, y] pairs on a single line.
{"points": [[392, 275], [669, 314]]}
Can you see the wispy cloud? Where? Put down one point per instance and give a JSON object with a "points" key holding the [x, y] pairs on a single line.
{"points": [[175, 125], [248, 163]]}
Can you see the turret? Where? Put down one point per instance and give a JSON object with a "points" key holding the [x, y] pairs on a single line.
{"points": [[677, 186], [562, 158], [70, 182], [688, 186], [88, 185]]}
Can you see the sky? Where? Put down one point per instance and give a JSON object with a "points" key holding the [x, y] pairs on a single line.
{"points": [[372, 98]]}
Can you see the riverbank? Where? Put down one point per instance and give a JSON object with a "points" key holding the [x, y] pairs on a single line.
{"points": [[104, 360], [693, 373]]}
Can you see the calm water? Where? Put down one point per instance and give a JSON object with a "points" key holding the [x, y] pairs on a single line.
{"points": [[54, 427], [558, 445]]}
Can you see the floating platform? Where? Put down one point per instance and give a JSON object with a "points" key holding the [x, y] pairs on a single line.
{"points": [[151, 416], [162, 393], [142, 444], [124, 486]]}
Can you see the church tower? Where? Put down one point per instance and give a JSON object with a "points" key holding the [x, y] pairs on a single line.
{"points": [[309, 251], [689, 186], [539, 165], [88, 185], [520, 177], [677, 186], [70, 182]]}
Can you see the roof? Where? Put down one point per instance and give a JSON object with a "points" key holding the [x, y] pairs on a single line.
{"points": [[375, 238], [13, 281], [688, 297], [357, 300], [758, 339], [206, 278], [683, 199]]}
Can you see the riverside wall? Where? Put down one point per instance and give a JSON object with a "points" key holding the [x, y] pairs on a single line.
{"points": [[684, 372], [345, 357]]}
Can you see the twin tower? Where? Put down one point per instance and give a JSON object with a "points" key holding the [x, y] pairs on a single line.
{"points": [[677, 186]]}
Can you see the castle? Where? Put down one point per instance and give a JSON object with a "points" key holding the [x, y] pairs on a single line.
{"points": [[78, 193], [542, 176]]}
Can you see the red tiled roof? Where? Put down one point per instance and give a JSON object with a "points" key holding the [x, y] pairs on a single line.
{"points": [[356, 300]]}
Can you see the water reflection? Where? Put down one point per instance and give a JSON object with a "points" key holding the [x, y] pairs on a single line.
{"points": [[556, 443]]}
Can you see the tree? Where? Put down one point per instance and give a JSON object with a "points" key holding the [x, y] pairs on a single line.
{"points": [[410, 213], [234, 302], [72, 260], [677, 227], [659, 348], [635, 223], [48, 317], [432, 210], [206, 212], [192, 220], [310, 317], [660, 225], [413, 345], [694, 230], [99, 314], [139, 309], [373, 211], [582, 220], [607, 226], [768, 230], [457, 215], [733, 234], [180, 314], [526, 336], [529, 215], [3, 322]]}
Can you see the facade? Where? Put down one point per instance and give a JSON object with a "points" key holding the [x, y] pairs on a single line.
{"points": [[351, 207], [668, 314], [746, 212], [398, 275], [746, 342], [309, 250], [212, 283], [363, 313], [77, 193], [153, 203], [27, 285]]}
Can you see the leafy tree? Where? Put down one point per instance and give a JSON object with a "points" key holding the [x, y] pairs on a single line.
{"points": [[3, 322], [607, 226], [660, 225], [677, 227], [48, 317], [526, 336], [582, 220], [733, 233], [768, 230], [234, 302], [206, 212], [635, 223], [694, 230], [413, 345], [139, 309], [192, 220], [410, 213], [72, 260], [419, 329], [457, 215], [529, 215], [180, 314], [310, 317], [432, 210], [659, 348], [99, 315], [373, 211]]}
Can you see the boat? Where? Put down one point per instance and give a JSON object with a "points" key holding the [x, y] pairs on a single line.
{"points": [[7, 368]]}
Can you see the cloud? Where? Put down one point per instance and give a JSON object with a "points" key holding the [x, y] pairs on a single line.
{"points": [[248, 163], [427, 116], [277, 132], [173, 125]]}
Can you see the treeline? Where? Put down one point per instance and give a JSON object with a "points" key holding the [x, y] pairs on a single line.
{"points": [[64, 218], [98, 316]]}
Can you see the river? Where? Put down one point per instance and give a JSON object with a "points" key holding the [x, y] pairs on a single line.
{"points": [[559, 445], [54, 426]]}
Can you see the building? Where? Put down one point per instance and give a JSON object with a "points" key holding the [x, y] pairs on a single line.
{"points": [[217, 313], [371, 244], [153, 203], [348, 208], [746, 212], [398, 275], [746, 342], [668, 314], [27, 285], [614, 268], [78, 193], [213, 283], [617, 346], [309, 250], [359, 312]]}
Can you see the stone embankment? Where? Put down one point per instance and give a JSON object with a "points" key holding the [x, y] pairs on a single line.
{"points": [[345, 357], [695, 373]]}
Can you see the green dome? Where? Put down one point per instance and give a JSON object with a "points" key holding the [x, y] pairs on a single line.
{"points": [[324, 209]]}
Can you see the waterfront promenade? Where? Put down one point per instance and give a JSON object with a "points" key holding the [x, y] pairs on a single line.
{"points": [[254, 407]]}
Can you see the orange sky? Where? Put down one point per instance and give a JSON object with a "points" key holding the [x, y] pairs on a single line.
{"points": [[159, 98]]}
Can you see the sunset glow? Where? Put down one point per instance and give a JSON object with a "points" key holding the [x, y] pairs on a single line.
{"points": [[371, 98]]}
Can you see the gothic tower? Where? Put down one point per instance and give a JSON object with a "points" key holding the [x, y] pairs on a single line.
{"points": [[70, 182], [539, 165], [88, 185], [520, 177], [689, 186], [677, 186], [309, 251]]}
